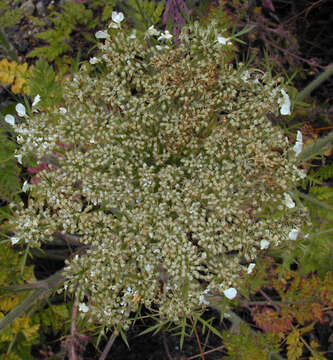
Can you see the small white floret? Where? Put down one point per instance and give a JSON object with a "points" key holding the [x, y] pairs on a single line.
{"points": [[25, 186], [202, 300], [223, 40], [293, 234], [299, 143], [288, 201], [264, 244], [133, 35], [83, 307], [62, 110], [14, 240], [117, 17], [285, 104], [20, 109], [230, 293], [152, 31], [102, 34], [250, 268], [93, 60], [165, 36], [19, 158], [36, 100], [301, 173], [10, 119]]}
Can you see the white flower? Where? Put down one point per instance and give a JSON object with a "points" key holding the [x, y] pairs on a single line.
{"points": [[264, 244], [285, 103], [25, 186], [202, 300], [293, 234], [20, 109], [299, 143], [133, 35], [10, 119], [288, 201], [62, 110], [93, 60], [165, 36], [102, 34], [230, 293], [36, 100], [159, 47], [83, 307], [246, 75], [19, 158], [14, 240], [301, 173], [250, 268], [224, 41], [152, 31], [117, 18]]}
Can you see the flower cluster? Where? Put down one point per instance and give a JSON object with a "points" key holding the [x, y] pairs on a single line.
{"points": [[170, 174]]}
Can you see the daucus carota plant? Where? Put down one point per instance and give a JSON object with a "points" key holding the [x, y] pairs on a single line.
{"points": [[167, 169]]}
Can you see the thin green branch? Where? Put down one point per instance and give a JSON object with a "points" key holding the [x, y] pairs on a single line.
{"points": [[315, 83], [41, 288]]}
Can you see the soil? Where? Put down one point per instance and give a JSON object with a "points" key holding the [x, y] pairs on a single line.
{"points": [[310, 22]]}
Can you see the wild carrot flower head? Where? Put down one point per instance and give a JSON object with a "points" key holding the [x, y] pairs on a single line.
{"points": [[172, 202]]}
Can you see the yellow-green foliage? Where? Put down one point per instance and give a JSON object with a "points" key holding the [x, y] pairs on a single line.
{"points": [[16, 74], [23, 332], [244, 344]]}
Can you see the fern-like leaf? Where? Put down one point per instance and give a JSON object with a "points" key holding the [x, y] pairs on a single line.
{"points": [[322, 193], [317, 148], [143, 13], [324, 173], [43, 82]]}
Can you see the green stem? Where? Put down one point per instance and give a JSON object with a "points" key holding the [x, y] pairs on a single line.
{"points": [[315, 83], [6, 44], [49, 283], [43, 287]]}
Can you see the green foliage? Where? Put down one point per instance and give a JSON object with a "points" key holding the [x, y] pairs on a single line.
{"points": [[9, 180], [143, 13], [245, 344], [54, 318], [16, 340], [316, 252], [107, 7], [8, 16], [318, 175], [44, 81], [317, 148], [73, 14]]}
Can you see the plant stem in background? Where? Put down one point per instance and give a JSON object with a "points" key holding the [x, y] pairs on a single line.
{"points": [[48, 284], [315, 83]]}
